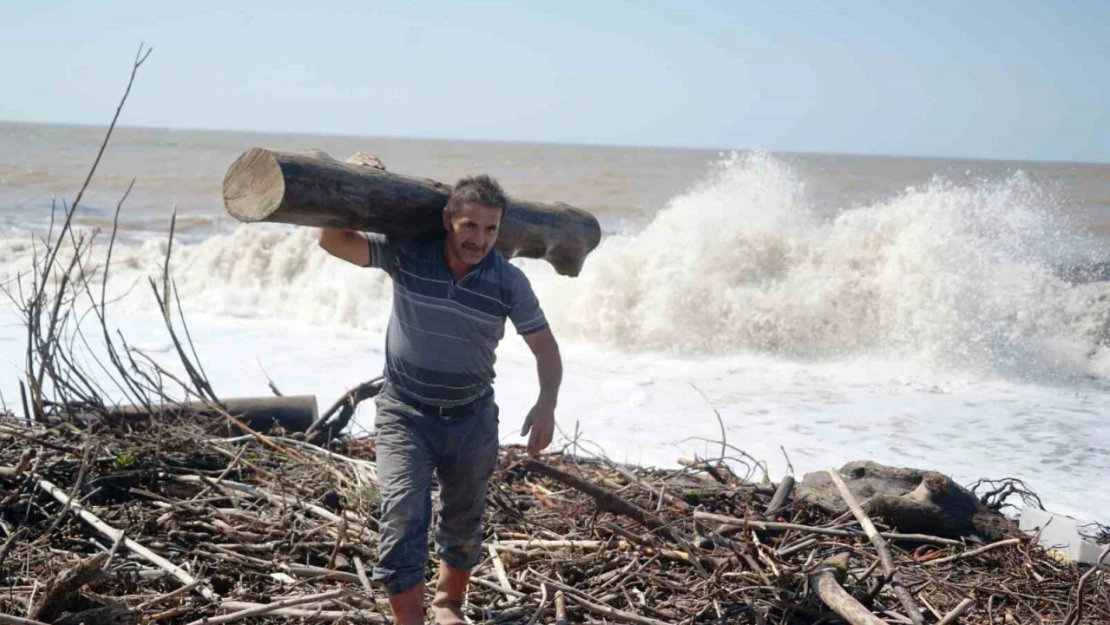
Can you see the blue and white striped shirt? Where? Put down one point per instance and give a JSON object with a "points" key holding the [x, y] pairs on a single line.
{"points": [[440, 344]]}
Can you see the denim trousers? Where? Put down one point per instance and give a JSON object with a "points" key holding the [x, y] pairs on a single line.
{"points": [[413, 444]]}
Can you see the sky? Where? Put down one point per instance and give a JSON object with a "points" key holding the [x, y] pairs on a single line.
{"points": [[1025, 80]]}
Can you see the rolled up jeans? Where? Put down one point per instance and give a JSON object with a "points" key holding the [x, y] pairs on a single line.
{"points": [[412, 444]]}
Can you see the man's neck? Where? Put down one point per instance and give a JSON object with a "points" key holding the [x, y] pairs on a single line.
{"points": [[455, 265]]}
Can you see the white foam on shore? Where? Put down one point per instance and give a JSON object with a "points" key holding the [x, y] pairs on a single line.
{"points": [[653, 409]]}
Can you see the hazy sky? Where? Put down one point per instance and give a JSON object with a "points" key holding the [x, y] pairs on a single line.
{"points": [[1017, 79]]}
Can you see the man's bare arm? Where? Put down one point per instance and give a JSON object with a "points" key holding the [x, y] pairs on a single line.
{"points": [[349, 245], [549, 368]]}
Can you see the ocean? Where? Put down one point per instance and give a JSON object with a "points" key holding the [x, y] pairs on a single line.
{"points": [[913, 311]]}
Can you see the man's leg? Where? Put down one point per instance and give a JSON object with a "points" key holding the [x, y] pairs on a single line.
{"points": [[405, 464], [464, 470]]}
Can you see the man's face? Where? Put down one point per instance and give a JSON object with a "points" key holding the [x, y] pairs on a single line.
{"points": [[472, 232]]}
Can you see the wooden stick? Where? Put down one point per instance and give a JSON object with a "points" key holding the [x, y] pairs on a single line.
{"points": [[606, 499], [362, 577], [319, 573], [609, 501], [880, 545], [266, 608], [514, 594], [541, 607], [166, 597], [499, 567], [560, 608], [262, 493], [778, 501], [10, 543], [973, 552], [954, 615], [552, 544], [827, 531], [316, 615], [114, 534], [17, 620], [826, 584], [1076, 613], [600, 608]]}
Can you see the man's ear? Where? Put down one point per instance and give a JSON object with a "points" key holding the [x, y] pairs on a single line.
{"points": [[446, 220]]}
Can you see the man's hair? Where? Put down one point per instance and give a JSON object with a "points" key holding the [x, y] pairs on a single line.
{"points": [[479, 189]]}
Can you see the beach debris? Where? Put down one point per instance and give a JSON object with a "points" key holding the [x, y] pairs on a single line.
{"points": [[1060, 534], [913, 500], [156, 518]]}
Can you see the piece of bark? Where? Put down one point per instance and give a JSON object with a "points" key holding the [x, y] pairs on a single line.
{"points": [[63, 587], [316, 190]]}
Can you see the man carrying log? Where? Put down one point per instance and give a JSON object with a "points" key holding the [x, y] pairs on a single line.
{"points": [[436, 411]]}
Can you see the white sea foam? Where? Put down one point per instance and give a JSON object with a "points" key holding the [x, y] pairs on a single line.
{"points": [[957, 276], [952, 275]]}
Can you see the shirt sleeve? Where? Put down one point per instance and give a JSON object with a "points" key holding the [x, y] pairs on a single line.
{"points": [[525, 312], [382, 252]]}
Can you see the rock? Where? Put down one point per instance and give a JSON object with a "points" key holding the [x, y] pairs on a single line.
{"points": [[911, 500]]}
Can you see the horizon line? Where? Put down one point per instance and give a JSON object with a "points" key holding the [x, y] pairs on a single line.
{"points": [[644, 146]]}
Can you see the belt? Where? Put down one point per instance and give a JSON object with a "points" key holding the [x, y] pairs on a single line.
{"points": [[444, 412]]}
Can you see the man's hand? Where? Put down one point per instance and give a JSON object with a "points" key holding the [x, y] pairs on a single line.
{"points": [[541, 422], [549, 367]]}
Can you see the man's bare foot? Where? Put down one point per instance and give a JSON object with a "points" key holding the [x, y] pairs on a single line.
{"points": [[408, 607], [450, 591]]}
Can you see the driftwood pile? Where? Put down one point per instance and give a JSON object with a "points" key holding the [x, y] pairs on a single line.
{"points": [[177, 519]]}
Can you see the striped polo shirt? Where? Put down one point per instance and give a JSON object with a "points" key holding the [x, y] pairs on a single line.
{"points": [[440, 344]]}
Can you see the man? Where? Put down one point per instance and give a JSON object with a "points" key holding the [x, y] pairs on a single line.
{"points": [[436, 411]]}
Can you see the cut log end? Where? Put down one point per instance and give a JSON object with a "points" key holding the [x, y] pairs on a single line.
{"points": [[254, 186]]}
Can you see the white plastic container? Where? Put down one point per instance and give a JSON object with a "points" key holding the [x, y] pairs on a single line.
{"points": [[1060, 534]]}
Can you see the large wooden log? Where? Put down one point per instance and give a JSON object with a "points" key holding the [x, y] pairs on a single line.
{"points": [[295, 413], [317, 190], [911, 500]]}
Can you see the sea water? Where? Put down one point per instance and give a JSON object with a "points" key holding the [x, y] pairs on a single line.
{"points": [[825, 308]]}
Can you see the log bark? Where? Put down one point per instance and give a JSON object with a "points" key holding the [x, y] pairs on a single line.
{"points": [[295, 413], [912, 500], [317, 190], [65, 586]]}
